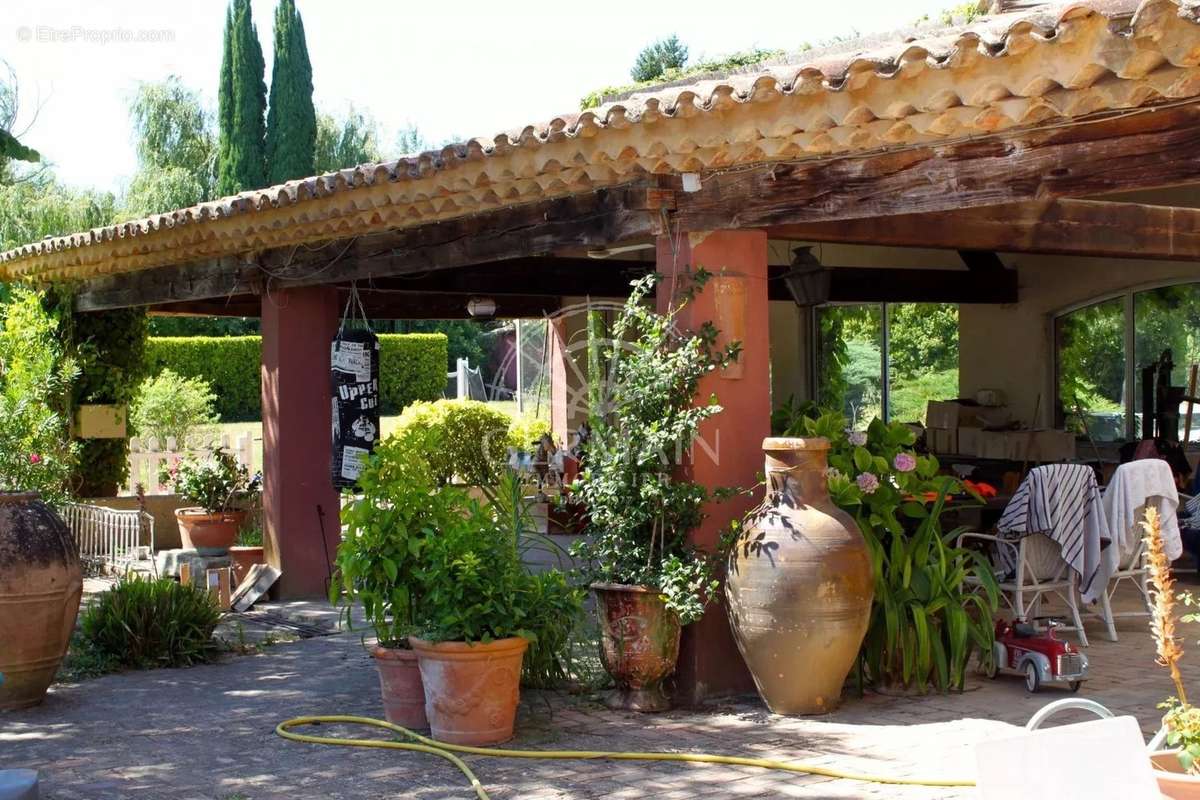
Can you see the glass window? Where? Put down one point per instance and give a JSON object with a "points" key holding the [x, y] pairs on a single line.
{"points": [[1167, 319], [1090, 344], [850, 362], [922, 345]]}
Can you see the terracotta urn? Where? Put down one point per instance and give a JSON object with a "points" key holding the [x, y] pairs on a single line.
{"points": [[40, 587], [1173, 782], [401, 687], [209, 534], [243, 559], [471, 689], [639, 645], [799, 584]]}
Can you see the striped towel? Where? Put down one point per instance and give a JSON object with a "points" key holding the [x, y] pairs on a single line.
{"points": [[1062, 501]]}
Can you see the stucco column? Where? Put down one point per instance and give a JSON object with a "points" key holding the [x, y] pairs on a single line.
{"points": [[299, 500], [729, 452]]}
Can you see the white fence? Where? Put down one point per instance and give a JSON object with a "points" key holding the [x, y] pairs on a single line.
{"points": [[147, 457], [109, 535]]}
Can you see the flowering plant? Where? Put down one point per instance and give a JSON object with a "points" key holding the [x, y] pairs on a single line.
{"points": [[925, 621], [217, 483]]}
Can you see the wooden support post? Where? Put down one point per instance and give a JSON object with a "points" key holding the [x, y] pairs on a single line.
{"points": [[728, 451], [218, 586], [300, 506]]}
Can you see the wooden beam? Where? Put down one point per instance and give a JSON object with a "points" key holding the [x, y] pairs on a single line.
{"points": [[897, 285], [594, 220], [1144, 150], [394, 304], [1061, 227]]}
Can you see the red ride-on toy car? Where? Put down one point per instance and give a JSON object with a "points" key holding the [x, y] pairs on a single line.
{"points": [[1040, 656]]}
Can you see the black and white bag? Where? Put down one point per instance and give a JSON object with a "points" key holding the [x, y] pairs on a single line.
{"points": [[354, 358]]}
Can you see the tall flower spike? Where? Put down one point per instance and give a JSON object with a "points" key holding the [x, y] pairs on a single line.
{"points": [[1162, 592]]}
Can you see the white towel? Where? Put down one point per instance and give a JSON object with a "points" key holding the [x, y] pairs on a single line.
{"points": [[1147, 481], [1062, 501]]}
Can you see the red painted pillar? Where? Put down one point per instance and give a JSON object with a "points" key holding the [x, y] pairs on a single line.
{"points": [[729, 452], [297, 328]]}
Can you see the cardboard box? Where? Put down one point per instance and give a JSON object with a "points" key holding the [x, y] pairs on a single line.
{"points": [[993, 444], [942, 440], [969, 441], [955, 414]]}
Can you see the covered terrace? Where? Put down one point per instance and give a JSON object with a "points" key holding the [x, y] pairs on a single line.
{"points": [[1017, 167]]}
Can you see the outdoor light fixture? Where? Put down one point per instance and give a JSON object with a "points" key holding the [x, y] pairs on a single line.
{"points": [[481, 307], [807, 281]]}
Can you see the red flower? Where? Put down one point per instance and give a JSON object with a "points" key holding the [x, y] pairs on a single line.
{"points": [[980, 488], [34, 458]]}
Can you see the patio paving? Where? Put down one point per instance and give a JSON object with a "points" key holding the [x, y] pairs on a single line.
{"points": [[206, 733]]}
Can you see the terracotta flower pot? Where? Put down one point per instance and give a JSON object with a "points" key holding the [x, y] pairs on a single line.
{"points": [[639, 645], [209, 534], [1173, 782], [40, 587], [401, 687], [243, 560], [471, 690], [799, 585]]}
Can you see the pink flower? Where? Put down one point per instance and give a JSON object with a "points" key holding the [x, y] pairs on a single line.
{"points": [[857, 438], [867, 482], [904, 462], [34, 458]]}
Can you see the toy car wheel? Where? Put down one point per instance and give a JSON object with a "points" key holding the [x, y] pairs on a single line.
{"points": [[992, 669], [1074, 685], [1033, 679]]}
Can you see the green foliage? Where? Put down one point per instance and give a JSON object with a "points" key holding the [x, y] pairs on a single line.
{"points": [[146, 624], [203, 326], [10, 148], [465, 338], [176, 149], [291, 119], [641, 512], [412, 367], [926, 620], [36, 453], [1091, 360], [910, 396], [463, 440], [169, 405], [525, 432], [217, 483], [232, 365], [348, 142], [922, 338], [963, 14], [39, 206], [655, 59], [724, 64], [110, 351], [242, 101]]}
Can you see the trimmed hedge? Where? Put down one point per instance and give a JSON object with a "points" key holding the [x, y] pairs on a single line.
{"points": [[412, 367]]}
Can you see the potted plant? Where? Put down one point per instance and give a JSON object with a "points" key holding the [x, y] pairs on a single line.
{"points": [[1178, 768], [648, 580], [400, 507], [221, 491], [247, 552]]}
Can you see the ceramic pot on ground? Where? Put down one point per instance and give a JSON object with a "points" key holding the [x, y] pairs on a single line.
{"points": [[639, 645], [1173, 782], [243, 560], [40, 587], [799, 584], [401, 687], [209, 534], [471, 690]]}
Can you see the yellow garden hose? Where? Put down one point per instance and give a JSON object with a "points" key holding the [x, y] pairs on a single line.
{"points": [[423, 744]]}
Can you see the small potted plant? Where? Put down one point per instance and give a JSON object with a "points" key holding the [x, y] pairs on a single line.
{"points": [[221, 491], [1178, 768], [648, 579], [247, 552]]}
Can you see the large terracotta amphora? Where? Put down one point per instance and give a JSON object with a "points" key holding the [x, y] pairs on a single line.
{"points": [[40, 587], [799, 584]]}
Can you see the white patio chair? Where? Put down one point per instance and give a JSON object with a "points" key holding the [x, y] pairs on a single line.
{"points": [[1040, 572], [1132, 568]]}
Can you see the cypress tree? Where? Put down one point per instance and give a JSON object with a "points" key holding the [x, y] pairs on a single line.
{"points": [[292, 119], [243, 164], [225, 109]]}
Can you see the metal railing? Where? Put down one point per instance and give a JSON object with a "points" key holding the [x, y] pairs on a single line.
{"points": [[109, 536]]}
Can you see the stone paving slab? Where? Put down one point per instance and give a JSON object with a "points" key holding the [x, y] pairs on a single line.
{"points": [[205, 733]]}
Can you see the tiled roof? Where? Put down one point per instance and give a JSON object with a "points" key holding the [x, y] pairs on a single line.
{"points": [[1003, 72]]}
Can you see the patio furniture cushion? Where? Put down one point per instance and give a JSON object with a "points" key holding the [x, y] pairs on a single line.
{"points": [[1134, 486]]}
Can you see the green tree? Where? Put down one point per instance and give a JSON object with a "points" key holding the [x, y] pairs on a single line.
{"points": [[292, 119], [174, 131], [410, 141], [347, 142], [10, 148], [38, 206], [655, 59], [242, 105]]}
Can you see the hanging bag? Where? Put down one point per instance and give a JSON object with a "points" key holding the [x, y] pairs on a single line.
{"points": [[354, 358]]}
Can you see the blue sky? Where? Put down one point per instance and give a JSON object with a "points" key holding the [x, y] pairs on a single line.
{"points": [[464, 68]]}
